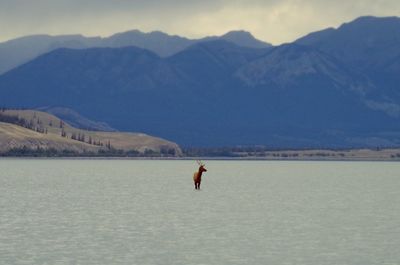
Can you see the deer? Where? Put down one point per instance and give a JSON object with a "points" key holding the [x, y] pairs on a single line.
{"points": [[197, 175]]}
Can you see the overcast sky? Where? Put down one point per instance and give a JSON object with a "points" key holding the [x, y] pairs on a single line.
{"points": [[275, 21]]}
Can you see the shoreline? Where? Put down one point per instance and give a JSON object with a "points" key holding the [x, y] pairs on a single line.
{"points": [[226, 160], [362, 154], [353, 159]]}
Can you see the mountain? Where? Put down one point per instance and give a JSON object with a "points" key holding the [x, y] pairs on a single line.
{"points": [[212, 63], [365, 43], [284, 66], [156, 41], [43, 130], [65, 75], [217, 93], [308, 89], [371, 46], [241, 38], [19, 51]]}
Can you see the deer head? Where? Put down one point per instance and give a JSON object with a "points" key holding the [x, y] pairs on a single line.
{"points": [[201, 166]]}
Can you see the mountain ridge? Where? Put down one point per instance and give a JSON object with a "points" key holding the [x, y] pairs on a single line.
{"points": [[20, 50]]}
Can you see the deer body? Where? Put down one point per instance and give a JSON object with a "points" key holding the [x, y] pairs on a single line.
{"points": [[197, 176]]}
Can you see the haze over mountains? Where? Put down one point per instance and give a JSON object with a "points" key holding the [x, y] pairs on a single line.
{"points": [[18, 51], [333, 88]]}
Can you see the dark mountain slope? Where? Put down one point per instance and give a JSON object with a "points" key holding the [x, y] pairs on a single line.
{"points": [[66, 76], [212, 63], [365, 43], [307, 89], [370, 45]]}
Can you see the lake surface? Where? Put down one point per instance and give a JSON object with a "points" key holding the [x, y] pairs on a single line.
{"points": [[248, 212]]}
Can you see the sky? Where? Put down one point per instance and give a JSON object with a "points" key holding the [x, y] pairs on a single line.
{"points": [[274, 21]]}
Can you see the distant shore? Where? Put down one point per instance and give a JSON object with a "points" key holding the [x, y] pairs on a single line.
{"points": [[280, 155]]}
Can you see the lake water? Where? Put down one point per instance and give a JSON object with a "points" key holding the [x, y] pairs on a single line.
{"points": [[248, 212]]}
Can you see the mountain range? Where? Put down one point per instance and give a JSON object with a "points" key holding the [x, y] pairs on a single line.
{"points": [[21, 50], [335, 88]]}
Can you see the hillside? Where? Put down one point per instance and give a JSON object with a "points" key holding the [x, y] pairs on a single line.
{"points": [[47, 131]]}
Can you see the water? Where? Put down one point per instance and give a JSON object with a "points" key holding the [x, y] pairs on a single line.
{"points": [[147, 212]]}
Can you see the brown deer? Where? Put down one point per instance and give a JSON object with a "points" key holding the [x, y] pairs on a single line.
{"points": [[197, 175]]}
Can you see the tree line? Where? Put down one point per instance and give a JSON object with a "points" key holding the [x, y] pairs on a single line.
{"points": [[35, 124], [31, 125], [53, 152]]}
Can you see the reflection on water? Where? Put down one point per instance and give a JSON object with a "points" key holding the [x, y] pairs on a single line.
{"points": [[147, 212]]}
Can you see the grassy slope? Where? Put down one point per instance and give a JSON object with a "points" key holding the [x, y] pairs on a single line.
{"points": [[15, 136]]}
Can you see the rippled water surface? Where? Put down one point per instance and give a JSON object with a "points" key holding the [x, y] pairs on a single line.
{"points": [[147, 212]]}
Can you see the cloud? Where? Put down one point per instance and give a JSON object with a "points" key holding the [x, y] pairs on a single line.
{"points": [[275, 21], [285, 21]]}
